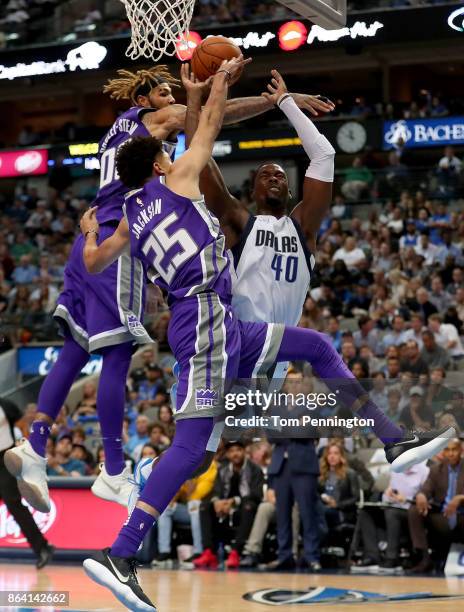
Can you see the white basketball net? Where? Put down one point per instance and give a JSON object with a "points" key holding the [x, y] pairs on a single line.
{"points": [[157, 25]]}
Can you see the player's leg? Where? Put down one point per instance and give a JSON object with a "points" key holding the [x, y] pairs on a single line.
{"points": [[206, 342], [54, 390], [140, 476], [113, 482], [114, 567], [402, 450], [71, 317], [110, 403], [27, 461], [327, 363], [114, 304]]}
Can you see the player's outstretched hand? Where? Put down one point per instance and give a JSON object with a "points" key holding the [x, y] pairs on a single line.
{"points": [[89, 221], [234, 67], [276, 88], [316, 105], [192, 85]]}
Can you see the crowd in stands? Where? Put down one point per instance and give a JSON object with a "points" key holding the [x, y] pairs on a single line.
{"points": [[425, 104], [389, 291], [408, 248], [31, 21], [227, 517]]}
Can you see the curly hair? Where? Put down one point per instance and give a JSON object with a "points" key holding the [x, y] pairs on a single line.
{"points": [[134, 161], [130, 85]]}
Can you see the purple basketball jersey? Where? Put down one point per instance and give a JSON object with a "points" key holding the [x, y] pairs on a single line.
{"points": [[178, 241], [110, 197]]}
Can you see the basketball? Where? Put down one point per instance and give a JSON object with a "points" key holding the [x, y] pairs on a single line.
{"points": [[210, 54]]}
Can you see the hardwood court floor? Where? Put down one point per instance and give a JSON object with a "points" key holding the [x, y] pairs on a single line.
{"points": [[182, 591]]}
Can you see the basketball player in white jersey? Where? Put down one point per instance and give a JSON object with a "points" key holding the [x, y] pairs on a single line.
{"points": [[273, 256], [273, 250]]}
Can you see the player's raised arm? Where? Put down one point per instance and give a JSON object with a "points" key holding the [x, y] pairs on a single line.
{"points": [[172, 118], [97, 258], [317, 187], [196, 90], [218, 199], [190, 165], [165, 121]]}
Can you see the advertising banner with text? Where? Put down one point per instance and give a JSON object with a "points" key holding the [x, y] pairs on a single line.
{"points": [[362, 29], [77, 520]]}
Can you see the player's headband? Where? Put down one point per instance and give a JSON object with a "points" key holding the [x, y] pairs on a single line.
{"points": [[145, 88]]}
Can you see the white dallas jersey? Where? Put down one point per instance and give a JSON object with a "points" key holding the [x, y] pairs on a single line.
{"points": [[271, 271]]}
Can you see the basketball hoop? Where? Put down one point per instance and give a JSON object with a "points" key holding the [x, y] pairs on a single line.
{"points": [[157, 26]]}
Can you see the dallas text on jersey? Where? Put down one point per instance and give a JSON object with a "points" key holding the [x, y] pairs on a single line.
{"points": [[282, 244]]}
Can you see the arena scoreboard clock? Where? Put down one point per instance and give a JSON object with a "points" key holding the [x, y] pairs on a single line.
{"points": [[351, 137]]}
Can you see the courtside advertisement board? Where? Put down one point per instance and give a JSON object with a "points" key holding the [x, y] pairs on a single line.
{"points": [[67, 525]]}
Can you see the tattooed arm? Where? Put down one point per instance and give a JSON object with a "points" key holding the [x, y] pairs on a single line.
{"points": [[171, 119]]}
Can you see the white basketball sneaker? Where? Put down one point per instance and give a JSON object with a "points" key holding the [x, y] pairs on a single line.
{"points": [[141, 474], [117, 488], [30, 469]]}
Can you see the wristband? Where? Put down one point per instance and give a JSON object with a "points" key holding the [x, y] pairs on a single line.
{"points": [[229, 75], [282, 98], [91, 231]]}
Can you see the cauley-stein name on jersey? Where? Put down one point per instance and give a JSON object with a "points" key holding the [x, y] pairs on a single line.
{"points": [[121, 125]]}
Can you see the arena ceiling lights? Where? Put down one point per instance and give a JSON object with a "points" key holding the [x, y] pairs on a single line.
{"points": [[291, 35]]}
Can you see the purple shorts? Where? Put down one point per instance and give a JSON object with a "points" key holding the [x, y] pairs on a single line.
{"points": [[103, 309], [213, 349]]}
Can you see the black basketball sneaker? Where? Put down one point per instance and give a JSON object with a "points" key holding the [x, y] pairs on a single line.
{"points": [[119, 575], [417, 447]]}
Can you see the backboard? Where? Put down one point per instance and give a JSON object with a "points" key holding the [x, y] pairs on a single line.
{"points": [[328, 14]]}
